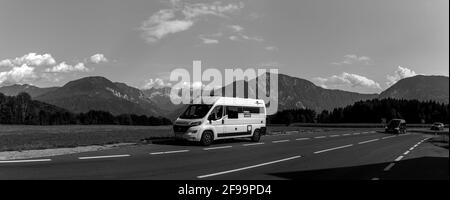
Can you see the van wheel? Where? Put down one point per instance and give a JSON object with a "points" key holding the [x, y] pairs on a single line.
{"points": [[207, 138], [256, 136]]}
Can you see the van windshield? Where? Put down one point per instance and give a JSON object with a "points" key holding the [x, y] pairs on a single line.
{"points": [[196, 111]]}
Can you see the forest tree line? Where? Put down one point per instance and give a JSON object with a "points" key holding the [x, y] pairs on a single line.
{"points": [[369, 111], [21, 109]]}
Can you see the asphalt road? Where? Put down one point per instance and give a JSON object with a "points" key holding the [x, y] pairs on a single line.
{"points": [[363, 154]]}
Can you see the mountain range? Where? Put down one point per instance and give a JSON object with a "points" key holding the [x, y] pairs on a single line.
{"points": [[99, 93]]}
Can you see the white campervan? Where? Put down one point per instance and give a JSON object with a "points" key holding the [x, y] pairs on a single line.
{"points": [[222, 118]]}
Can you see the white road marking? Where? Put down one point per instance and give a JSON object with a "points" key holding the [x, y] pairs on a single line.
{"points": [[388, 137], [280, 141], [368, 141], [399, 158], [341, 147], [289, 132], [356, 133], [412, 148], [406, 153], [100, 157], [25, 161], [365, 132], [169, 152], [299, 139], [375, 179], [212, 148], [334, 135], [389, 167], [320, 137], [249, 167], [347, 134], [253, 144], [372, 132]]}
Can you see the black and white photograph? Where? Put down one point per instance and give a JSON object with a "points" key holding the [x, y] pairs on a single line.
{"points": [[224, 90]]}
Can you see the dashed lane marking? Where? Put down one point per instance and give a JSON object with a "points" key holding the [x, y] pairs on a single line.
{"points": [[102, 157], [213, 148], [335, 148], [253, 144], [280, 141], [169, 152], [25, 161], [364, 142], [248, 167]]}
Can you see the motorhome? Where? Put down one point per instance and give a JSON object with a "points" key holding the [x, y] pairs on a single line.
{"points": [[222, 118]]}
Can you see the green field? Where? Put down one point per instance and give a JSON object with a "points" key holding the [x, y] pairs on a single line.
{"points": [[19, 137]]}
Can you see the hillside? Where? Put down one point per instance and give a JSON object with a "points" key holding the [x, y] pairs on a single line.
{"points": [[422, 88]]}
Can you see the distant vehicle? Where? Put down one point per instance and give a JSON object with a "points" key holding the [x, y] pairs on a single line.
{"points": [[437, 126], [223, 118], [397, 126]]}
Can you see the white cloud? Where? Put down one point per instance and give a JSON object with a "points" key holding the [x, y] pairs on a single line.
{"points": [[155, 83], [233, 37], [31, 59], [98, 58], [400, 73], [239, 31], [209, 40], [347, 80], [17, 74], [65, 68], [236, 28], [182, 16], [271, 48], [354, 59]]}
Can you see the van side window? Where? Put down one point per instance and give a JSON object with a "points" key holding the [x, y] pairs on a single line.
{"points": [[254, 110], [217, 112], [232, 112]]}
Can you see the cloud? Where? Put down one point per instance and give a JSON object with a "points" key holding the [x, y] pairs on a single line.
{"points": [[206, 40], [240, 34], [18, 74], [209, 41], [400, 73], [354, 59], [155, 83], [182, 16], [65, 68], [236, 28], [271, 48], [163, 23], [30, 59], [347, 80], [98, 58], [234, 38]]}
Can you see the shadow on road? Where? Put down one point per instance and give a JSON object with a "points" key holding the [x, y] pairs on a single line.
{"points": [[424, 168]]}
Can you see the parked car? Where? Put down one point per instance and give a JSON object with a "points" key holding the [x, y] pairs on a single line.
{"points": [[437, 126], [396, 126]]}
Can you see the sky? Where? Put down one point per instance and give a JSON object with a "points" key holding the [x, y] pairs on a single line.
{"points": [[355, 45]]}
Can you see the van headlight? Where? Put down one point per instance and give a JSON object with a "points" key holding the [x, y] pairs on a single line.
{"points": [[195, 123]]}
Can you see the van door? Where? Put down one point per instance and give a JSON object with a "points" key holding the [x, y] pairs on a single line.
{"points": [[216, 120], [231, 121]]}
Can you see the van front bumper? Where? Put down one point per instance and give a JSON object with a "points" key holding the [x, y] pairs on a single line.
{"points": [[190, 134], [185, 136]]}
